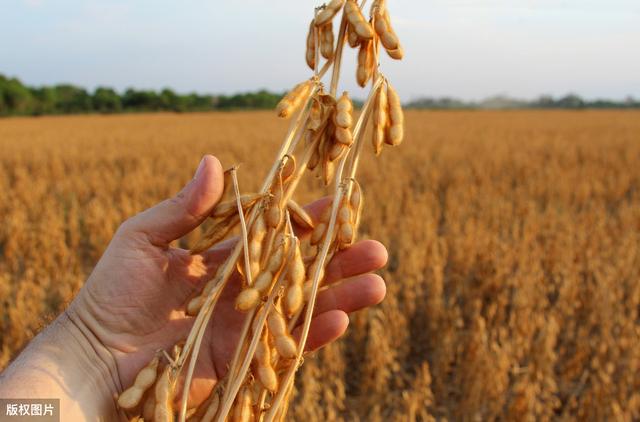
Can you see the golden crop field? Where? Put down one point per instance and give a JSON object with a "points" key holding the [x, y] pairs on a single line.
{"points": [[514, 240]]}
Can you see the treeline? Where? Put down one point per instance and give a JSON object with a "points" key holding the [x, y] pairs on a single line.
{"points": [[570, 101], [19, 99]]}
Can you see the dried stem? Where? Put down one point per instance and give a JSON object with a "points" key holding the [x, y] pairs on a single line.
{"points": [[358, 131], [342, 37], [238, 379], [321, 258], [245, 243], [208, 307], [243, 227]]}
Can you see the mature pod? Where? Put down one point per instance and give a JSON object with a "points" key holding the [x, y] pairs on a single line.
{"points": [[380, 119], [344, 136], [164, 397], [326, 14], [310, 54], [274, 212], [318, 233], [288, 168], [315, 116], [149, 406], [295, 278], [336, 151], [131, 397], [385, 32], [315, 159], [294, 99], [263, 281], [194, 305], [328, 166], [212, 408], [343, 116], [257, 234], [226, 209], [395, 131], [321, 227], [395, 53], [243, 410], [276, 259], [285, 345], [365, 63], [388, 38], [216, 233], [264, 369], [311, 272], [357, 201], [299, 215], [352, 37], [326, 41], [346, 230], [357, 20], [247, 299], [346, 235]]}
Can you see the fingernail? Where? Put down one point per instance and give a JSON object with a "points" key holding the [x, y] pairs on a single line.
{"points": [[201, 167]]}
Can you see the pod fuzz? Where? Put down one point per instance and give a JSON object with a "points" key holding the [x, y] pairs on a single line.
{"points": [[131, 397], [357, 21], [327, 14], [294, 99], [395, 131]]}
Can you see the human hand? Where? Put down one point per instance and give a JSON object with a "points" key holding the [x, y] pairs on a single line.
{"points": [[133, 303]]}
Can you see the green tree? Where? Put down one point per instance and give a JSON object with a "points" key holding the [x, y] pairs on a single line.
{"points": [[106, 100], [72, 99], [16, 98], [45, 100]]}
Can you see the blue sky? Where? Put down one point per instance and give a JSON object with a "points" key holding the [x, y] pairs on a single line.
{"points": [[464, 48]]}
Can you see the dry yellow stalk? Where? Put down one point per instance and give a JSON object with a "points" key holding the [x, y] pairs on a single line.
{"points": [[131, 397], [357, 20], [326, 14]]}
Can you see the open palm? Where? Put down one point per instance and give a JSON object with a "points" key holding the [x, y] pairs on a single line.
{"points": [[133, 301]]}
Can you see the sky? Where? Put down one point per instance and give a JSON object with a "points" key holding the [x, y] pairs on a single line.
{"points": [[468, 49]]}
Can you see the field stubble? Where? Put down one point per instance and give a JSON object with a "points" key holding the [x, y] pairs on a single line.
{"points": [[514, 240]]}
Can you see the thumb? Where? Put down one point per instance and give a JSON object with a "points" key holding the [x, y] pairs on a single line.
{"points": [[175, 217]]}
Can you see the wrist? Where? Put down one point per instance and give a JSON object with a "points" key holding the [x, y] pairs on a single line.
{"points": [[66, 362]]}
